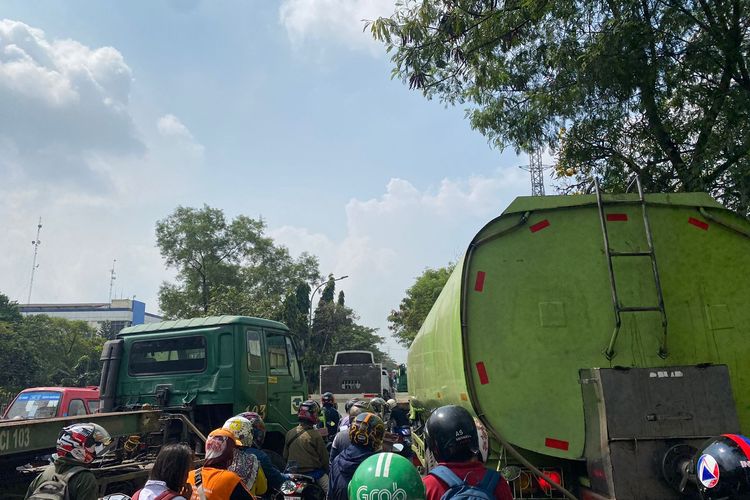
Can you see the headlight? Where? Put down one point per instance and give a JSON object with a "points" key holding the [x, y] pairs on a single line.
{"points": [[288, 487]]}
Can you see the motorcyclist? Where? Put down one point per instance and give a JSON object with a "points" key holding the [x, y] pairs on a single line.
{"points": [[304, 446], [344, 422], [386, 472], [366, 435], [214, 481], [273, 474], [245, 463], [399, 416], [77, 446], [451, 435], [380, 408], [329, 416], [341, 441]]}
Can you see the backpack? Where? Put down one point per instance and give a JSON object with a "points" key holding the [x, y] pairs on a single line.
{"points": [[458, 489], [55, 488]]}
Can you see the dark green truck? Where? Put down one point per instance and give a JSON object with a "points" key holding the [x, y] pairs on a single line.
{"points": [[207, 369]]}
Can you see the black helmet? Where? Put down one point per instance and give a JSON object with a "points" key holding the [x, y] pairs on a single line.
{"points": [[451, 434], [348, 405], [327, 398], [722, 468]]}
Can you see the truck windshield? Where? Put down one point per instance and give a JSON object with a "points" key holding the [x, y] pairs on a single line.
{"points": [[354, 358], [175, 355], [35, 404]]}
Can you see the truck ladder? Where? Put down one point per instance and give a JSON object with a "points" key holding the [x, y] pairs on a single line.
{"points": [[618, 307]]}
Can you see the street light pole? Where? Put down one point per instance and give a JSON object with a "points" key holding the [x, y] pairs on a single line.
{"points": [[312, 295]]}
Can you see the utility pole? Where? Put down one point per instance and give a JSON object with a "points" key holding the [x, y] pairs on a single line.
{"points": [[112, 278], [34, 265]]}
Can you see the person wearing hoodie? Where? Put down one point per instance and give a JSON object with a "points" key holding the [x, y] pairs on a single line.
{"points": [[273, 475], [366, 434], [214, 481]]}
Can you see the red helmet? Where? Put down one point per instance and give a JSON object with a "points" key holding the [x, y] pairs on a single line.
{"points": [[259, 427], [308, 412], [83, 442]]}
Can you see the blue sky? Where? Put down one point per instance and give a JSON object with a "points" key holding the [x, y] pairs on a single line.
{"points": [[116, 112]]}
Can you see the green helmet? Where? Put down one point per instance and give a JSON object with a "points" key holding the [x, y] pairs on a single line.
{"points": [[386, 476]]}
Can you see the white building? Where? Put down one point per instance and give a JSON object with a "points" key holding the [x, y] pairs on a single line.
{"points": [[120, 313]]}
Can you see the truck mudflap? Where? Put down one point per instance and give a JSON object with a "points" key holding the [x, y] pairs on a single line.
{"points": [[637, 418]]}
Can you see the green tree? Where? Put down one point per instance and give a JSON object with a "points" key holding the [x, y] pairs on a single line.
{"points": [[9, 312], [661, 89], [420, 297], [106, 330], [329, 290], [225, 267]]}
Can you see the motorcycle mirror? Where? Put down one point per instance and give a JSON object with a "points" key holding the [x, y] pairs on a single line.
{"points": [[398, 447], [511, 472]]}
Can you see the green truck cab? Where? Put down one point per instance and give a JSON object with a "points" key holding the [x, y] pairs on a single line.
{"points": [[208, 369]]}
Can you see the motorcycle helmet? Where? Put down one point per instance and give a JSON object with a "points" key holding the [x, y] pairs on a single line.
{"points": [[349, 404], [367, 430], [242, 429], [386, 472], [259, 427], [378, 406], [451, 434], [308, 412], [327, 399], [83, 442], [723, 468], [391, 403]]}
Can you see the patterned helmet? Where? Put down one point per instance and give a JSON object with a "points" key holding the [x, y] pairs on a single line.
{"points": [[83, 442], [259, 427], [308, 412], [386, 475], [378, 406], [327, 398], [367, 430], [242, 429]]}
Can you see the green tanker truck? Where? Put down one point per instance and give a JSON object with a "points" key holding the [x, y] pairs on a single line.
{"points": [[599, 338]]}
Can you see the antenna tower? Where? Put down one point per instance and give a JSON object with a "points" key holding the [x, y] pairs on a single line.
{"points": [[536, 169], [112, 278], [34, 265]]}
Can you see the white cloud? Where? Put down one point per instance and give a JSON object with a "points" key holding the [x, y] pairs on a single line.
{"points": [[339, 21], [72, 152], [391, 239]]}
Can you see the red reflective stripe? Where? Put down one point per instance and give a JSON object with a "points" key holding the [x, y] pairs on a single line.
{"points": [[698, 223], [617, 217], [744, 446], [482, 371], [479, 284], [556, 443], [539, 226]]}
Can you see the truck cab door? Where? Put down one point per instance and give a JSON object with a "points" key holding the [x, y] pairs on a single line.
{"points": [[286, 387], [254, 392]]}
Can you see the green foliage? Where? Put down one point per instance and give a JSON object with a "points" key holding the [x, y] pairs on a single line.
{"points": [[39, 350], [661, 89], [406, 322], [225, 267], [328, 291], [9, 312]]}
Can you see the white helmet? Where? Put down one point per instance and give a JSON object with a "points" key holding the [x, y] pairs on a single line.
{"points": [[392, 403], [242, 429]]}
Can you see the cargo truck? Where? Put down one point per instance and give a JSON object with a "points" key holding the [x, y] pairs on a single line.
{"points": [[354, 374], [599, 338], [172, 381]]}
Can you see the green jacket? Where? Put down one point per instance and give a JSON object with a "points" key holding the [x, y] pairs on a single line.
{"points": [[307, 449], [82, 486]]}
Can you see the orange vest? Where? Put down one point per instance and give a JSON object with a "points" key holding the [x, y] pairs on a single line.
{"points": [[218, 484]]}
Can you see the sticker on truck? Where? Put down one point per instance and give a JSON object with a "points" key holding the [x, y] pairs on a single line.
{"points": [[296, 401]]}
